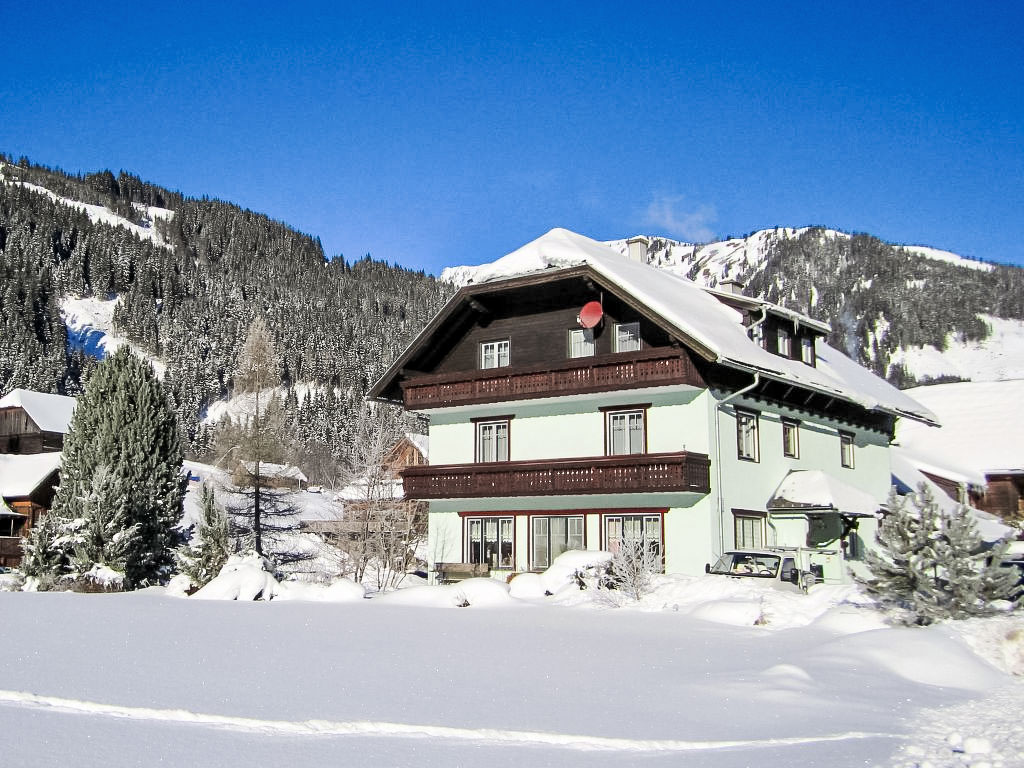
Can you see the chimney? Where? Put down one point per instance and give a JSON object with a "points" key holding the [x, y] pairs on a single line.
{"points": [[637, 249], [731, 286]]}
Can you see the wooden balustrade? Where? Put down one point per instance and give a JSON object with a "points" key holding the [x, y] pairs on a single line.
{"points": [[658, 366], [644, 473]]}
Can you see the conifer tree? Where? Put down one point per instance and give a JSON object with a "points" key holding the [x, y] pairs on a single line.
{"points": [[202, 560], [121, 473], [930, 566]]}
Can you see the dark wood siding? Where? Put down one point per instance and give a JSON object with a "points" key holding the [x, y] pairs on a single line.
{"points": [[1004, 496], [949, 487], [536, 321]]}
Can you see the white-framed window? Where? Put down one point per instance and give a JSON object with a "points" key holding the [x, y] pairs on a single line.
{"points": [[625, 433], [757, 334], [807, 350], [784, 342], [636, 531], [748, 530], [846, 449], [490, 540], [581, 342], [747, 446], [492, 440], [494, 354], [554, 535], [627, 337], [791, 438]]}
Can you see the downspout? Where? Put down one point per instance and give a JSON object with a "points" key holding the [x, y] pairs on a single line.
{"points": [[718, 439]]}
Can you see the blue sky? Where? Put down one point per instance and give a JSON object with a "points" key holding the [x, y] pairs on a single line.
{"points": [[450, 134]]}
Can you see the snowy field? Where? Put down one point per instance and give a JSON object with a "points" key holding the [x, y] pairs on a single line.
{"points": [[684, 678]]}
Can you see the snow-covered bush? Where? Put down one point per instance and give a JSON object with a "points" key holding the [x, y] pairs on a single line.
{"points": [[574, 569], [929, 566], [632, 567]]}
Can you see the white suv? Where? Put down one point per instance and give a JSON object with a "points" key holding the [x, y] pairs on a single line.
{"points": [[775, 568]]}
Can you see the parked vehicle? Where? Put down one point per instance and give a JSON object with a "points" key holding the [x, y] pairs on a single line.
{"points": [[777, 567]]}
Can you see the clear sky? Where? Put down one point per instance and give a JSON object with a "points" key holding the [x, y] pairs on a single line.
{"points": [[452, 134]]}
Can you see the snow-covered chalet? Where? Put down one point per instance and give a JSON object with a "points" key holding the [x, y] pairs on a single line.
{"points": [[578, 398]]}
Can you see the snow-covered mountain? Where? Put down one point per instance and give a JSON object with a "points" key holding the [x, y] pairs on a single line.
{"points": [[912, 313]]}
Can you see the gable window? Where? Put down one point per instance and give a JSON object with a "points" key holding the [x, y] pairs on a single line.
{"points": [[785, 342], [748, 529], [494, 354], [554, 535], [492, 440], [490, 540], [846, 449], [807, 350], [746, 435], [625, 432], [791, 438], [641, 532], [581, 342], [627, 337]]}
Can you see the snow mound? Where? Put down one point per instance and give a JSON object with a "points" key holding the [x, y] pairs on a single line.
{"points": [[244, 577], [561, 574], [340, 591], [477, 593]]}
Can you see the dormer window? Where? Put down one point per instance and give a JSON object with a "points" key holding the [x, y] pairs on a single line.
{"points": [[757, 334], [785, 342], [627, 337], [807, 350], [494, 354]]}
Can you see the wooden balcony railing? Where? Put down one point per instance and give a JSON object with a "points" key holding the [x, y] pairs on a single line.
{"points": [[645, 473], [657, 366]]}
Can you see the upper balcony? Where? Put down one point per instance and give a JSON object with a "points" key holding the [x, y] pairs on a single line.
{"points": [[659, 366], [679, 472]]}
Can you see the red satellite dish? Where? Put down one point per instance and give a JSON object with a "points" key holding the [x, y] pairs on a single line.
{"points": [[591, 314]]}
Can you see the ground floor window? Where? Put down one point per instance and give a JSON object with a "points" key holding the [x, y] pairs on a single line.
{"points": [[748, 530], [490, 540], [554, 535], [633, 530]]}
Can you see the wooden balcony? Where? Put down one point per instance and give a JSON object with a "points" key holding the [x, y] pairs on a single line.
{"points": [[680, 472], [654, 367]]}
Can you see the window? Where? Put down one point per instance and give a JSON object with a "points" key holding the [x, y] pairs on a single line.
{"points": [[785, 342], [494, 354], [489, 540], [748, 530], [581, 342], [627, 337], [791, 438], [492, 440], [625, 433], [846, 449], [746, 435], [757, 334], [807, 350], [554, 535], [634, 530]]}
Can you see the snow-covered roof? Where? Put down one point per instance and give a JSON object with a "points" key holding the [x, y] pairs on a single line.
{"points": [[51, 413], [812, 489], [907, 474], [277, 471], [6, 511], [21, 474], [694, 315], [982, 424], [422, 443]]}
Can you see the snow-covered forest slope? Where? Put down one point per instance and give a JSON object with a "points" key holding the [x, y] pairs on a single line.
{"points": [[912, 314], [88, 263]]}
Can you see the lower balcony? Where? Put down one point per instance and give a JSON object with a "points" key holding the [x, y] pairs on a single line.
{"points": [[10, 550], [680, 472]]}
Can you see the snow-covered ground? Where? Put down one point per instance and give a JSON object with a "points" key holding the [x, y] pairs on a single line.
{"points": [[90, 323], [148, 679], [994, 358]]}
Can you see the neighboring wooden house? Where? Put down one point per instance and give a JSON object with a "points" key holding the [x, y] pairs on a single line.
{"points": [[32, 429], [578, 399], [285, 476], [978, 455], [34, 422]]}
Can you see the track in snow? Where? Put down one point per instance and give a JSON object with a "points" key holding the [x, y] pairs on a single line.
{"points": [[404, 730]]}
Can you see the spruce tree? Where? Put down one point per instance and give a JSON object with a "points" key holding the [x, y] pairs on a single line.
{"points": [[202, 560], [930, 566], [121, 473]]}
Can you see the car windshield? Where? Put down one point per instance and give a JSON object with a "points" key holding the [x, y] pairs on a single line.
{"points": [[747, 564]]}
